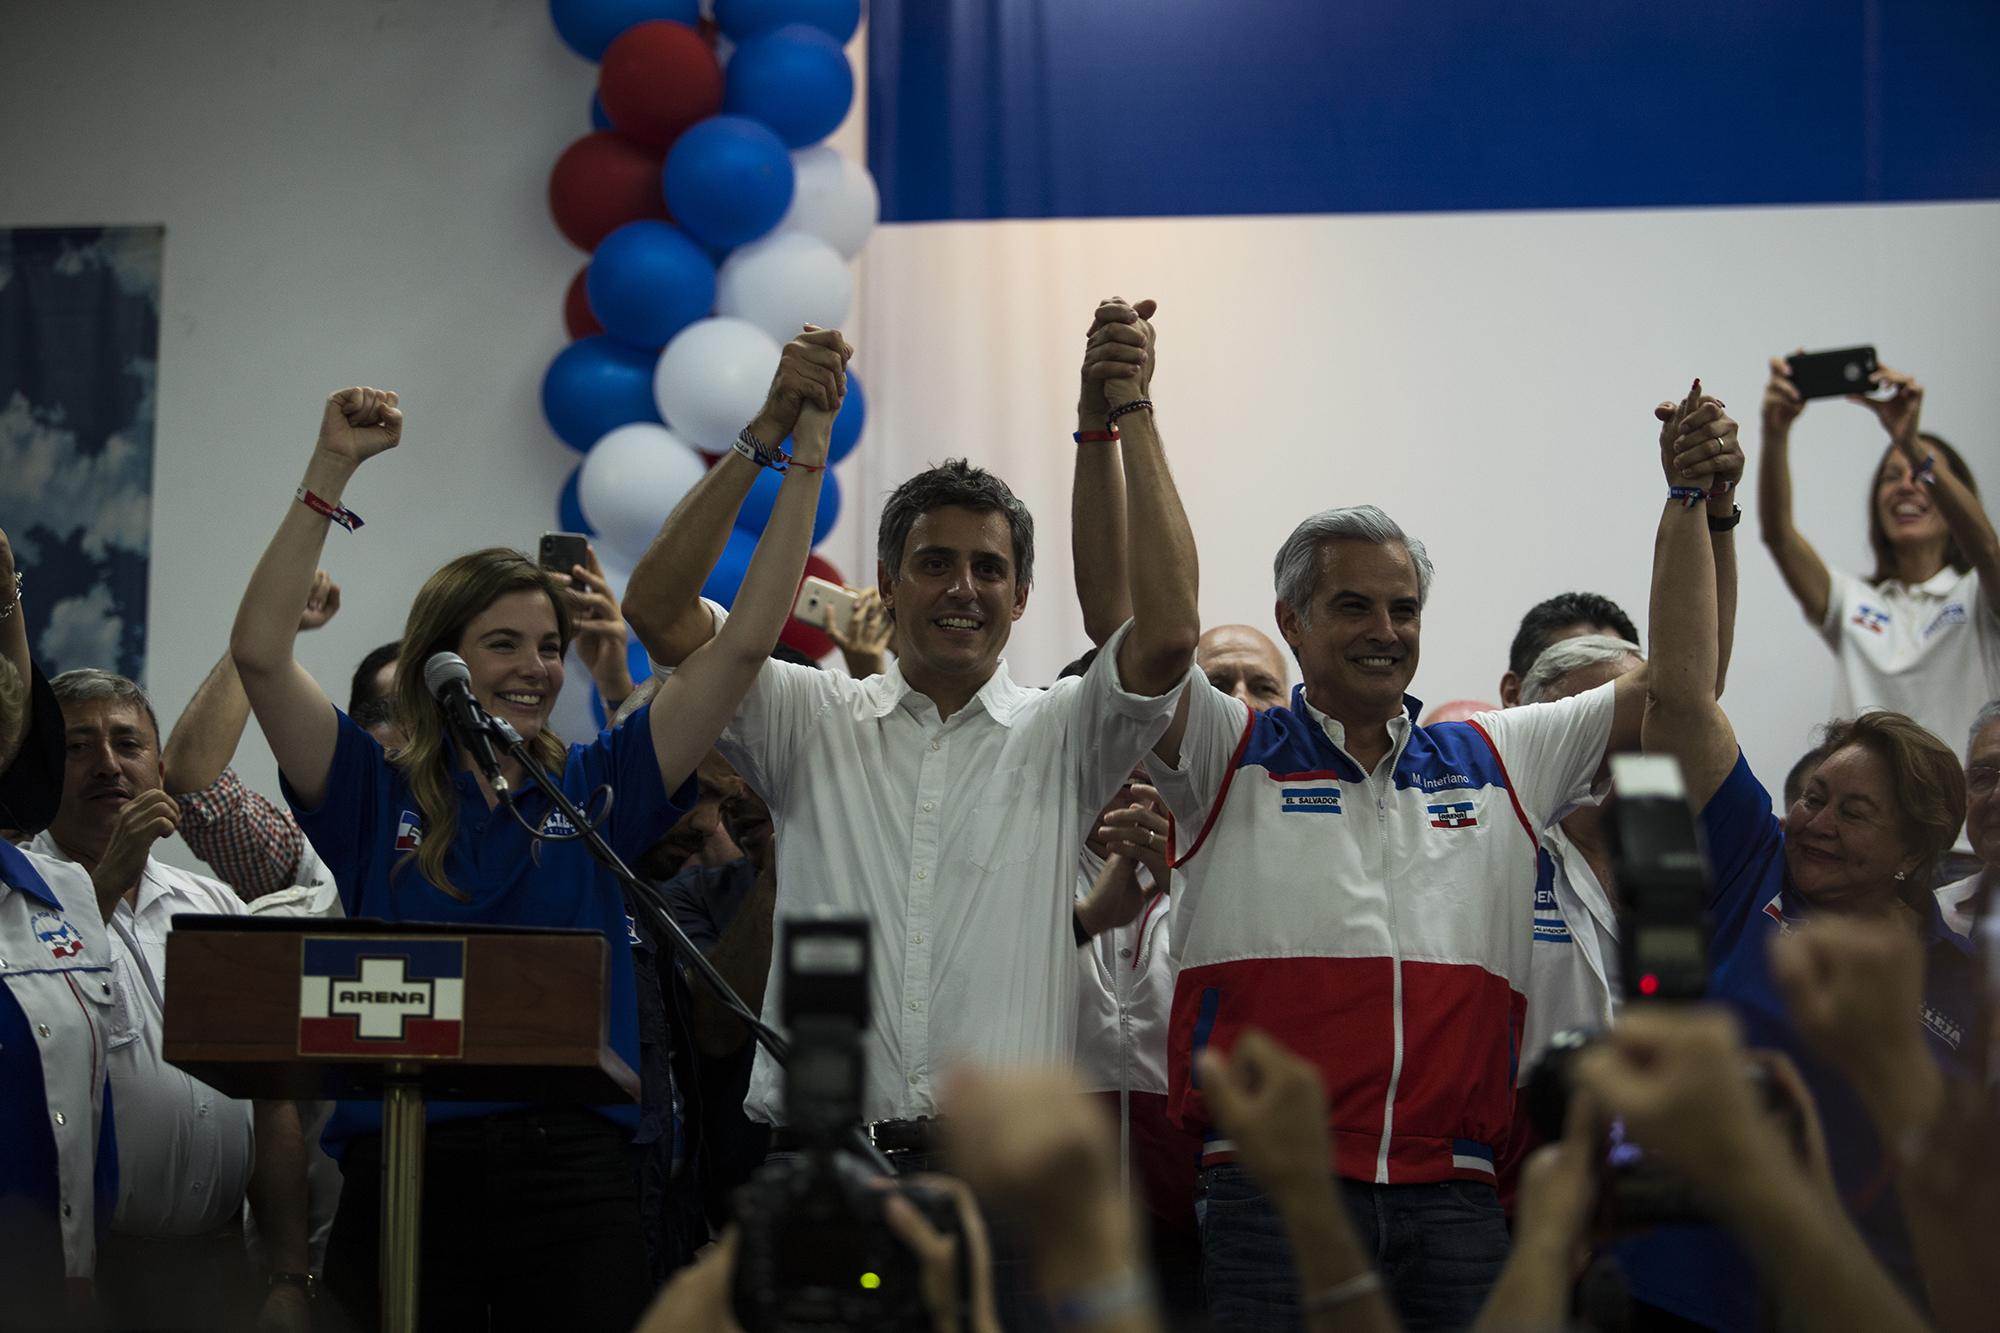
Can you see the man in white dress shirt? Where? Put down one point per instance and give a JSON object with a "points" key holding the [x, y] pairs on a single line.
{"points": [[942, 800], [1964, 900], [188, 1156]]}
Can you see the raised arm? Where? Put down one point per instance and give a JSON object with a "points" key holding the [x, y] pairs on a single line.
{"points": [[1964, 517], [1162, 571], [697, 701], [1804, 572], [663, 596], [15, 669], [1681, 716], [297, 718], [1097, 496]]}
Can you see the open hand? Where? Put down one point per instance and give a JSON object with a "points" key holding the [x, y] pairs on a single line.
{"points": [[600, 627], [359, 424], [1782, 400], [868, 627], [322, 602], [1899, 410]]}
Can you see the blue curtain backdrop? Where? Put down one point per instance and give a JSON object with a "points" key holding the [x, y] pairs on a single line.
{"points": [[79, 358], [1145, 108]]}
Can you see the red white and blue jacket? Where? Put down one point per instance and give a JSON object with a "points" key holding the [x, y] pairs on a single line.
{"points": [[1378, 924]]}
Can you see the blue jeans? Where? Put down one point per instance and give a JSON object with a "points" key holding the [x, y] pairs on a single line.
{"points": [[1438, 1247]]}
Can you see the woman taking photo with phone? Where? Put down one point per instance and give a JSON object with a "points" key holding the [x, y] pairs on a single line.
{"points": [[530, 1214], [1921, 634]]}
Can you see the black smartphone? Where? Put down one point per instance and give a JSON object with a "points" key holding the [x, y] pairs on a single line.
{"points": [[1832, 374], [564, 551]]}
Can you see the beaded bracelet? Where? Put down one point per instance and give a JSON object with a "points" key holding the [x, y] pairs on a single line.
{"points": [[339, 513], [14, 605], [1111, 417]]}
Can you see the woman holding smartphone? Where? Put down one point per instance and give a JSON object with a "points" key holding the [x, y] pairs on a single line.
{"points": [[1921, 634], [530, 1212]]}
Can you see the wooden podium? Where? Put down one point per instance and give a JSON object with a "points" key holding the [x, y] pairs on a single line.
{"points": [[306, 1007]]}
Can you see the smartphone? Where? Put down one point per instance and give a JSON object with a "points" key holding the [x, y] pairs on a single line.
{"points": [[564, 551], [1832, 374], [825, 605]]}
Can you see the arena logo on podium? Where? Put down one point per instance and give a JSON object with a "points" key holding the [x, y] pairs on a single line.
{"points": [[379, 998]]}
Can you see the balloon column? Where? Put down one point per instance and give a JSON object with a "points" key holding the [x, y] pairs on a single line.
{"points": [[717, 224]]}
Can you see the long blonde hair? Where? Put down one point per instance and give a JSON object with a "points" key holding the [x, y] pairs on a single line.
{"points": [[448, 602]]}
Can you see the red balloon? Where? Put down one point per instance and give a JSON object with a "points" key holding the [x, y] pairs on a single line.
{"points": [[600, 183], [657, 79], [804, 638], [578, 321]]}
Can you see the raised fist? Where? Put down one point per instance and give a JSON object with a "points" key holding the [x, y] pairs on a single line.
{"points": [[322, 603], [359, 424]]}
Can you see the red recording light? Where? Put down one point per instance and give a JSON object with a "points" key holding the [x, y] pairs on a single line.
{"points": [[1649, 984]]}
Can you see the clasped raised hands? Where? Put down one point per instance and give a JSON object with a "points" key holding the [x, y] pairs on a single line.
{"points": [[811, 380], [1117, 358], [1698, 442], [358, 424]]}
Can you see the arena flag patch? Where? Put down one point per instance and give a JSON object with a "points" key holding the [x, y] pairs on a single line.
{"points": [[377, 997]]}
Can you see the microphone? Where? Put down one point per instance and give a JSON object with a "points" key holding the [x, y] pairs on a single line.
{"points": [[450, 683]]}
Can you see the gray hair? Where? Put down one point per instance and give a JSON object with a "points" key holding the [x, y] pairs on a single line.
{"points": [[1981, 720], [1296, 570], [1567, 655], [89, 685]]}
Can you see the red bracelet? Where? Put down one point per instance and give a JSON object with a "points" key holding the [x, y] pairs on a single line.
{"points": [[340, 514], [791, 463], [1097, 436]]}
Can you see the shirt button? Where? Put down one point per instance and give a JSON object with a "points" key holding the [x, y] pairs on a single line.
{"points": [[1124, 953], [65, 1210], [922, 873], [937, 745], [917, 938], [197, 1187], [42, 1028], [916, 1005], [914, 1080], [61, 1119], [204, 1109], [929, 806]]}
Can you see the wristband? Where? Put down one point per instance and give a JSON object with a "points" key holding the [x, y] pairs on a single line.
{"points": [[1096, 436], [1137, 404], [750, 447], [1689, 496], [1926, 471], [1105, 1300], [340, 514], [1720, 488], [1725, 524], [1340, 1293]]}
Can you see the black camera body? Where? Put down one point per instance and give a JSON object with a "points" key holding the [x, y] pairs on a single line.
{"points": [[816, 1251]]}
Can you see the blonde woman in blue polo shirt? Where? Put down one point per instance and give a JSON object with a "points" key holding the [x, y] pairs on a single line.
{"points": [[530, 1212]]}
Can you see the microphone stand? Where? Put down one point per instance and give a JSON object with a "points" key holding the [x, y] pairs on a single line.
{"points": [[646, 900]]}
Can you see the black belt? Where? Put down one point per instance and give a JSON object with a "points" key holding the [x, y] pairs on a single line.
{"points": [[922, 1135]]}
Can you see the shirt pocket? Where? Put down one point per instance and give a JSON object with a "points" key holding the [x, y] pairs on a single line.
{"points": [[1007, 827], [121, 1010]]}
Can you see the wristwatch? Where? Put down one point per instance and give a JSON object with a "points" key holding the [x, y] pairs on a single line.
{"points": [[1725, 524], [306, 1282]]}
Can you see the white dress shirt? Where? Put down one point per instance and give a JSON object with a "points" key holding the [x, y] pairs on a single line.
{"points": [[956, 838], [184, 1150], [1955, 902]]}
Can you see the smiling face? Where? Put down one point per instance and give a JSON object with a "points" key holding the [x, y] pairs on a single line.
{"points": [[1844, 837], [1982, 793], [955, 597], [111, 755], [1357, 644], [515, 654], [1904, 506]]}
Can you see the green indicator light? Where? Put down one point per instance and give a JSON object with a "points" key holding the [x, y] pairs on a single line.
{"points": [[870, 1281]]}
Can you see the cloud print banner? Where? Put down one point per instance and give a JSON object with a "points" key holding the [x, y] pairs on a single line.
{"points": [[79, 345]]}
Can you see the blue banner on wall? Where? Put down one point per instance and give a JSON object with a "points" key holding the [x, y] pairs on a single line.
{"points": [[1144, 108], [79, 361]]}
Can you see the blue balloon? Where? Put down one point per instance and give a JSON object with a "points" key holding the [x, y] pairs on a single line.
{"points": [[847, 424], [596, 385], [728, 180], [734, 563], [648, 281], [763, 497], [588, 26], [743, 19], [795, 79], [569, 509], [600, 119]]}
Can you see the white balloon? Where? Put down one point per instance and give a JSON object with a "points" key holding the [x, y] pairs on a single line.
{"points": [[712, 378], [833, 198], [784, 281], [632, 478]]}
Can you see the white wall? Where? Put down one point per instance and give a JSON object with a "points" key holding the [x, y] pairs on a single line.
{"points": [[353, 192], [1487, 379]]}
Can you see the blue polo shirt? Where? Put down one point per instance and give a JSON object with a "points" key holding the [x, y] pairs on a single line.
{"points": [[32, 1260], [1697, 1272], [369, 824]]}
